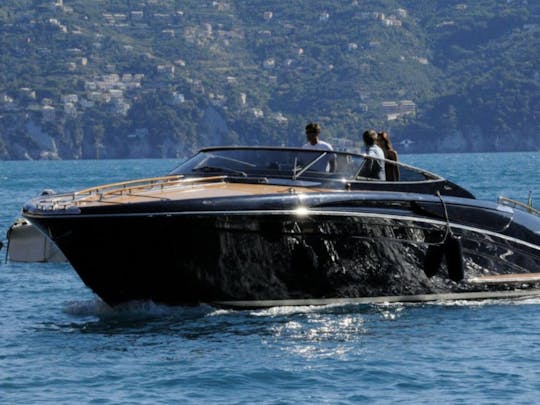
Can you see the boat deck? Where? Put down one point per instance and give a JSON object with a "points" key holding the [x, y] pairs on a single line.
{"points": [[162, 188]]}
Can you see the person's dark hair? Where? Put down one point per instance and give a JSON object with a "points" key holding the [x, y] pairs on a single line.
{"points": [[313, 127], [370, 136], [385, 140]]}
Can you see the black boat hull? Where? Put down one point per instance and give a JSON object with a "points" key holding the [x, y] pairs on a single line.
{"points": [[189, 258]]}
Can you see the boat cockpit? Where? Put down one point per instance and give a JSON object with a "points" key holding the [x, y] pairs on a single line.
{"points": [[294, 166]]}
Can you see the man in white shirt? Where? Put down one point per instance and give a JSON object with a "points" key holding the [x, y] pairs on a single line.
{"points": [[373, 168], [313, 131]]}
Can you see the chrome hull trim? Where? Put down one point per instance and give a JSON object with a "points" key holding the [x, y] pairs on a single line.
{"points": [[400, 299]]}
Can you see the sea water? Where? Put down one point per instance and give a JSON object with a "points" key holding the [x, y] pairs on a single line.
{"points": [[60, 344]]}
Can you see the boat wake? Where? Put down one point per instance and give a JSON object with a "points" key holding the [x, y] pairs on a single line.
{"points": [[98, 308]]}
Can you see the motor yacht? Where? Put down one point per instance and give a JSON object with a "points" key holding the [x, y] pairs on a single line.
{"points": [[265, 226]]}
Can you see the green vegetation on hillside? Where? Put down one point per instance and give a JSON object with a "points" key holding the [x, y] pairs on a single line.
{"points": [[152, 78]]}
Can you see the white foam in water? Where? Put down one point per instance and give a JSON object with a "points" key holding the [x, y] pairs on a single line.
{"points": [[97, 307], [87, 308], [481, 303], [289, 310], [221, 311]]}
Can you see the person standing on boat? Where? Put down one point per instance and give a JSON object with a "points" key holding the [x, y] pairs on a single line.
{"points": [[313, 132], [391, 170], [373, 168]]}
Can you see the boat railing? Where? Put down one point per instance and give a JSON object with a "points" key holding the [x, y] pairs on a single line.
{"points": [[128, 187], [125, 188], [518, 204]]}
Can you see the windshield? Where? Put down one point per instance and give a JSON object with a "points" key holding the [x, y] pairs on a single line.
{"points": [[281, 163], [270, 162]]}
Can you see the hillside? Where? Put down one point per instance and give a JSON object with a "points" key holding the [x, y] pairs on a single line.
{"points": [[157, 78]]}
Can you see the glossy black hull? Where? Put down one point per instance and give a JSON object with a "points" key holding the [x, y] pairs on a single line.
{"points": [[188, 257]]}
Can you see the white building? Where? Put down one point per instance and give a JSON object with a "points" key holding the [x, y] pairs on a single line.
{"points": [[48, 113], [269, 63]]}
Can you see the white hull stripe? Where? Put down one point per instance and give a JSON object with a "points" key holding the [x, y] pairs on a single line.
{"points": [[480, 295]]}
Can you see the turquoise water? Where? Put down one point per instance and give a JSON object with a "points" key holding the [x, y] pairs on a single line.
{"points": [[59, 344]]}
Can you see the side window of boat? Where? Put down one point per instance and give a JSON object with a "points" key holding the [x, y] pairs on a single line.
{"points": [[406, 174], [345, 165]]}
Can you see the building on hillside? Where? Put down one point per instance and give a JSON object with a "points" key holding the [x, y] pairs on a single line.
{"points": [[177, 98], [168, 33], [116, 94], [119, 106], [391, 110], [48, 113], [87, 103], [280, 118], [394, 110], [166, 70], [81, 60], [407, 107], [391, 21], [269, 63], [70, 110], [257, 112], [402, 13], [7, 102], [137, 15], [221, 5], [28, 93], [70, 98]]}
